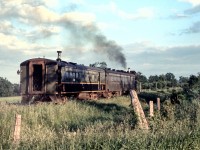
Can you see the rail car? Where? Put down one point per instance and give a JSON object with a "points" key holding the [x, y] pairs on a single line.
{"points": [[43, 79]]}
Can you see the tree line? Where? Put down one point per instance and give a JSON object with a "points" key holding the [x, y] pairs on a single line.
{"points": [[8, 89], [168, 80]]}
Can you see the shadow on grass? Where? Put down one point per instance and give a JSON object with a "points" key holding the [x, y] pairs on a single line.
{"points": [[114, 115], [106, 107]]}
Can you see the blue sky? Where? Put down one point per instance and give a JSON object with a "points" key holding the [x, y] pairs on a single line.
{"points": [[153, 37]]}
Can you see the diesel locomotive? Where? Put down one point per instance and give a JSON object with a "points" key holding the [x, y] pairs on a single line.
{"points": [[43, 79]]}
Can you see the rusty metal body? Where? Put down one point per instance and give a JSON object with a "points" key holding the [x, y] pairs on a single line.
{"points": [[49, 80]]}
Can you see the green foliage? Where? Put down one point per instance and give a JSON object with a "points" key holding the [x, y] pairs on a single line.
{"points": [[191, 89], [5, 87], [99, 64], [104, 124], [8, 89], [141, 77], [154, 95], [193, 81], [155, 82]]}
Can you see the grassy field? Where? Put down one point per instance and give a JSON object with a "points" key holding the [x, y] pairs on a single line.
{"points": [[10, 99], [103, 124]]}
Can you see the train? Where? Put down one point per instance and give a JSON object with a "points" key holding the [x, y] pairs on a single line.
{"points": [[43, 79]]}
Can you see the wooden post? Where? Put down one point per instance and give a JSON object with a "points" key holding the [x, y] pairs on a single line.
{"points": [[158, 103], [138, 110], [151, 109], [17, 128]]}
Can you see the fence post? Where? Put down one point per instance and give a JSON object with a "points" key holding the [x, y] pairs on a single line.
{"points": [[17, 128], [138, 110], [151, 109], [158, 103]]}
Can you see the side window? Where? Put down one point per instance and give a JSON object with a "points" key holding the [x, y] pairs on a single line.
{"points": [[92, 78], [78, 76], [83, 77], [96, 78], [67, 76], [87, 77]]}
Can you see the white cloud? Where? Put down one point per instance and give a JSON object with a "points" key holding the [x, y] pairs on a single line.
{"points": [[107, 25], [11, 42], [193, 2], [29, 13], [6, 27], [51, 3], [153, 59], [84, 18], [141, 13], [143, 46], [42, 32], [38, 14]]}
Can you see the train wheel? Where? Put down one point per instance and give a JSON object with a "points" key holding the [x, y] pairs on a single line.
{"points": [[84, 96], [119, 93], [94, 96], [107, 95], [110, 95], [64, 99], [57, 99]]}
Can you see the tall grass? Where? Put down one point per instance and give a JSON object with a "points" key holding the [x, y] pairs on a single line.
{"points": [[103, 124], [10, 99]]}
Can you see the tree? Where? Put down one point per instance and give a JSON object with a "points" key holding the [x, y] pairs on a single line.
{"points": [[5, 87], [193, 81], [169, 76], [99, 64], [8, 89], [162, 77], [183, 81], [153, 78], [171, 80], [141, 78], [16, 90]]}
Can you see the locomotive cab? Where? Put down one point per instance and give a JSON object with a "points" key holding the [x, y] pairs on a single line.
{"points": [[38, 78]]}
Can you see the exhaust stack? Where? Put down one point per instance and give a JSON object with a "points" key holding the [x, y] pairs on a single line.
{"points": [[59, 55]]}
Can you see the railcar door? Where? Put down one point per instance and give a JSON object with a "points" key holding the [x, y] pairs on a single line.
{"points": [[36, 76]]}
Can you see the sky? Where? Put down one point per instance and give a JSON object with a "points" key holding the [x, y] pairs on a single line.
{"points": [[151, 37]]}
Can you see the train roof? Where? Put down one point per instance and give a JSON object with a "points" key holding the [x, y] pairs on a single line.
{"points": [[122, 72], [38, 59], [75, 65]]}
